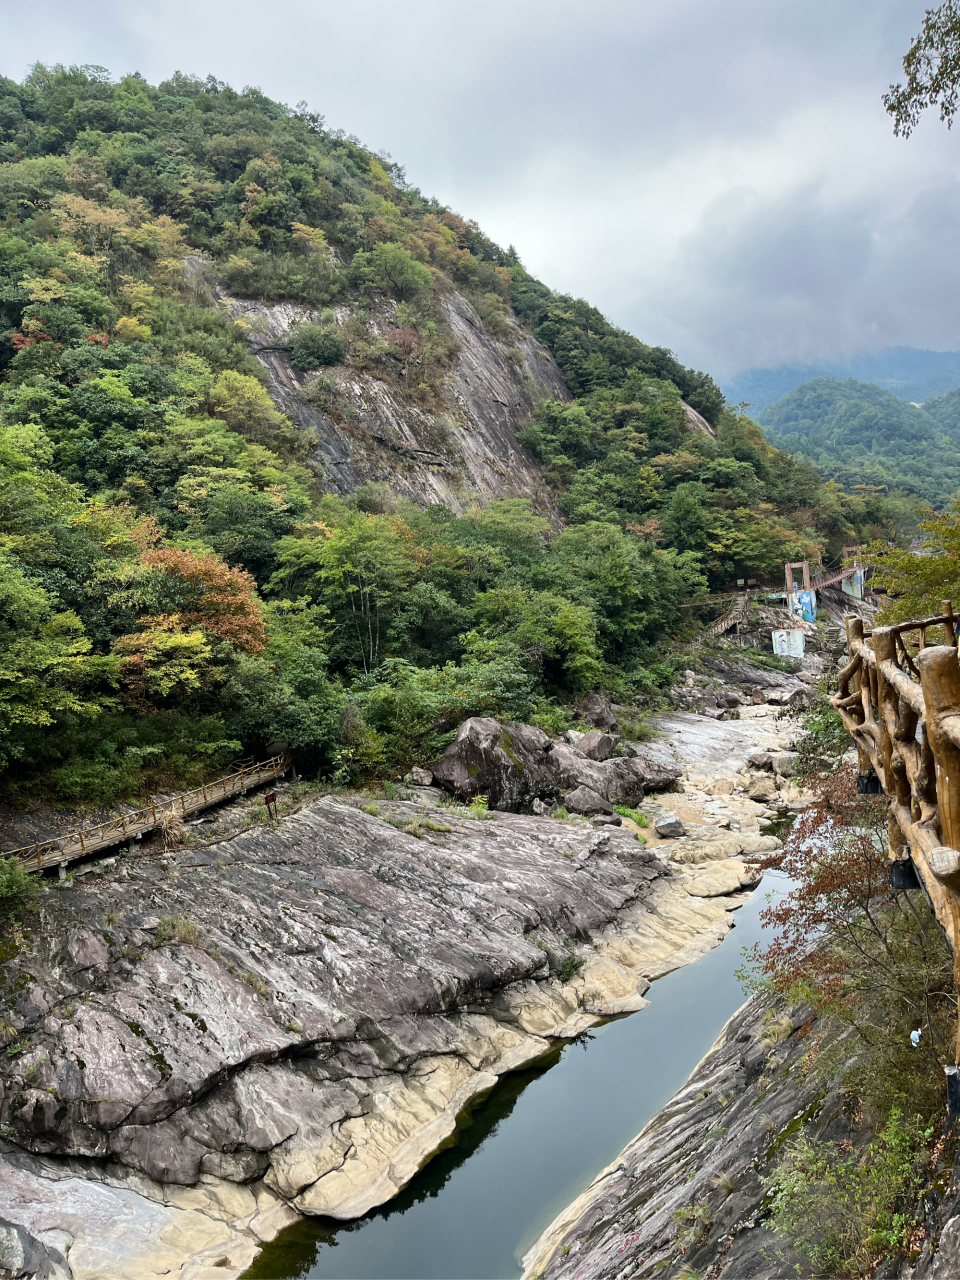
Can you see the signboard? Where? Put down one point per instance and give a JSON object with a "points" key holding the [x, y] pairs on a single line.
{"points": [[788, 644], [803, 604], [853, 586]]}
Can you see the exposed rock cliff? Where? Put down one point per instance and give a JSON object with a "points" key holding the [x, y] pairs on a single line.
{"points": [[453, 456], [204, 1045]]}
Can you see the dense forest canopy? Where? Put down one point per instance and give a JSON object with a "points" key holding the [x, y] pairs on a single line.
{"points": [[176, 587], [857, 433]]}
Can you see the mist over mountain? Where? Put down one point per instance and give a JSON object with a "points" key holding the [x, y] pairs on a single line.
{"points": [[909, 373], [860, 434]]}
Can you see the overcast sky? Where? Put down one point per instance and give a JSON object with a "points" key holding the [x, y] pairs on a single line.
{"points": [[716, 175]]}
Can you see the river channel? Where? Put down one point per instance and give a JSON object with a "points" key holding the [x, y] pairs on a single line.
{"points": [[535, 1142]]}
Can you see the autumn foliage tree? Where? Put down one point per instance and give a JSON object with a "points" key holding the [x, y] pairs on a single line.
{"points": [[206, 594], [843, 938]]}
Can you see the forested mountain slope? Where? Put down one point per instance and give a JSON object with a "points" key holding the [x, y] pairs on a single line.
{"points": [[292, 453], [858, 433]]}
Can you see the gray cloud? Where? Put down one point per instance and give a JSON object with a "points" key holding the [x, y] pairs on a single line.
{"points": [[717, 177]]}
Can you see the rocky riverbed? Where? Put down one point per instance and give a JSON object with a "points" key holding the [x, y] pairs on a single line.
{"points": [[204, 1045]]}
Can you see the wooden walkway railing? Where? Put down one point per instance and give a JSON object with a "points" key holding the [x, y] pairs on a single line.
{"points": [[899, 698], [829, 579], [736, 613], [77, 844]]}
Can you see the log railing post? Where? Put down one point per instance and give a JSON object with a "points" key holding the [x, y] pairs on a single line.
{"points": [[940, 680], [949, 622], [895, 782], [859, 682]]}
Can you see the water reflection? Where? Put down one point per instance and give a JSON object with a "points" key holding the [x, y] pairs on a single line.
{"points": [[535, 1142]]}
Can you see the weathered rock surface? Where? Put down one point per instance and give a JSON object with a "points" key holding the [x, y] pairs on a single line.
{"points": [[583, 800], [514, 764], [669, 827], [467, 450], [203, 1046], [597, 745]]}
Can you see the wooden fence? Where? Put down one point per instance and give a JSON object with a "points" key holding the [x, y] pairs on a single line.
{"points": [[899, 698], [77, 844]]}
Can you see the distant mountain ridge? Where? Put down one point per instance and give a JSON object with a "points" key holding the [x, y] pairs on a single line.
{"points": [[858, 433], [910, 373]]}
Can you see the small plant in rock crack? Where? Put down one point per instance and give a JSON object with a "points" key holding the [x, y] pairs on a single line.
{"points": [[173, 830], [565, 1249], [111, 917], [724, 1182], [767, 1123], [778, 1031], [181, 928], [571, 967], [634, 815], [372, 809], [255, 981]]}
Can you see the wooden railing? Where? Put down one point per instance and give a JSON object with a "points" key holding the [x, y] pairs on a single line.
{"points": [[829, 579], [899, 698], [129, 826], [735, 613]]}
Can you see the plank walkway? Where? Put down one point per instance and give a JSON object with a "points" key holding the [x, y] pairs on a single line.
{"points": [[829, 579], [129, 826]]}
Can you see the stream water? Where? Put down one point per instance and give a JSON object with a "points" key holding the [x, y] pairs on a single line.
{"points": [[536, 1141]]}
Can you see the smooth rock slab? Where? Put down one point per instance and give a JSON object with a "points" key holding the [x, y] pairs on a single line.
{"points": [[346, 989]]}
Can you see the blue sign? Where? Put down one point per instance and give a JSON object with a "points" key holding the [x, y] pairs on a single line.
{"points": [[803, 604]]}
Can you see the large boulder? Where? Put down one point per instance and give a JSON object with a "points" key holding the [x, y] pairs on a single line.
{"points": [[597, 745], [656, 772], [626, 780], [599, 711], [506, 763], [23, 1257], [669, 827], [514, 764], [583, 800]]}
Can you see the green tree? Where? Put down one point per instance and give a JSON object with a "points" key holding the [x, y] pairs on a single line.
{"points": [[46, 668], [315, 345], [390, 266], [932, 70], [360, 569]]}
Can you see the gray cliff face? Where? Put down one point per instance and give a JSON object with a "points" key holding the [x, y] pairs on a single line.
{"points": [[202, 1046], [454, 457]]}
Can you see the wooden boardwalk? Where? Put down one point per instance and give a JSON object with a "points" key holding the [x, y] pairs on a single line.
{"points": [[129, 826]]}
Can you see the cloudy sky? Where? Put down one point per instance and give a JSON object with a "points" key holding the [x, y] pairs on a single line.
{"points": [[716, 175]]}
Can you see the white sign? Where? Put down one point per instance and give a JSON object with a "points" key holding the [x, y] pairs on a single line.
{"points": [[788, 644]]}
